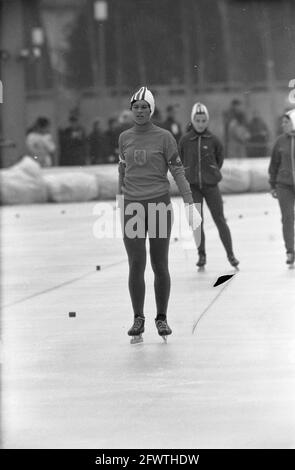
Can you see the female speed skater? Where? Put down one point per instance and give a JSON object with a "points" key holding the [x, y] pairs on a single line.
{"points": [[202, 156], [146, 152], [282, 180]]}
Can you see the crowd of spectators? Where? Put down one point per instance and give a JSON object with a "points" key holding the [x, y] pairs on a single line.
{"points": [[242, 137]]}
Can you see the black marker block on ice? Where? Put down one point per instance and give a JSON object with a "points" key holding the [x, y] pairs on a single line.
{"points": [[72, 314], [223, 279]]}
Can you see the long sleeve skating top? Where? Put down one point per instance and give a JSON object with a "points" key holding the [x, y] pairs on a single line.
{"points": [[145, 156]]}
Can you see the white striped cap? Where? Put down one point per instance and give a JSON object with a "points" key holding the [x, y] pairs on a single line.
{"points": [[144, 94], [199, 108]]}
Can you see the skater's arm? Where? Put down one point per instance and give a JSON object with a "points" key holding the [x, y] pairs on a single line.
{"points": [[180, 149], [177, 171], [176, 168], [121, 168], [274, 165]]}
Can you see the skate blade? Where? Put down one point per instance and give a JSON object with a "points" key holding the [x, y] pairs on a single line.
{"points": [[136, 339], [291, 266], [164, 338], [201, 269]]}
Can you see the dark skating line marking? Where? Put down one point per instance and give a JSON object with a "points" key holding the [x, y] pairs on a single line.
{"points": [[211, 303], [115, 264], [45, 291], [50, 289]]}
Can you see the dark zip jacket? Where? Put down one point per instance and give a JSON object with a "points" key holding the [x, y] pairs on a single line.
{"points": [[282, 162], [202, 157]]}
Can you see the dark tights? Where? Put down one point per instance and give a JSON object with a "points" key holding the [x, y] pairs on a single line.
{"points": [[159, 248], [213, 198]]}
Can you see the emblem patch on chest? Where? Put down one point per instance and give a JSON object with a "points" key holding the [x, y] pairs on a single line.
{"points": [[140, 157]]}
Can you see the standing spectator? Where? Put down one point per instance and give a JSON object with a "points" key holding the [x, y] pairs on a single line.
{"points": [[125, 121], [171, 124], [238, 136], [97, 144], [39, 142], [282, 180], [73, 143], [202, 156], [111, 136], [279, 121], [235, 107], [257, 145]]}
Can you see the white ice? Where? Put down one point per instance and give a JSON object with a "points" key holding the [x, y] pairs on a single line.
{"points": [[78, 383]]}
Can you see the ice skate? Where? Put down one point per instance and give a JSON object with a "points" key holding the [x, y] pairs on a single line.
{"points": [[290, 260], [163, 329], [233, 261], [136, 330], [201, 262], [136, 339]]}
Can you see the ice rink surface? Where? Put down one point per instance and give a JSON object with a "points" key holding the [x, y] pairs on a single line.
{"points": [[76, 382]]}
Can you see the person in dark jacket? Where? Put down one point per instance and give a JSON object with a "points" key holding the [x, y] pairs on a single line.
{"points": [[73, 143], [111, 135], [257, 144], [171, 124], [282, 179], [236, 107], [202, 156], [97, 144], [238, 136]]}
